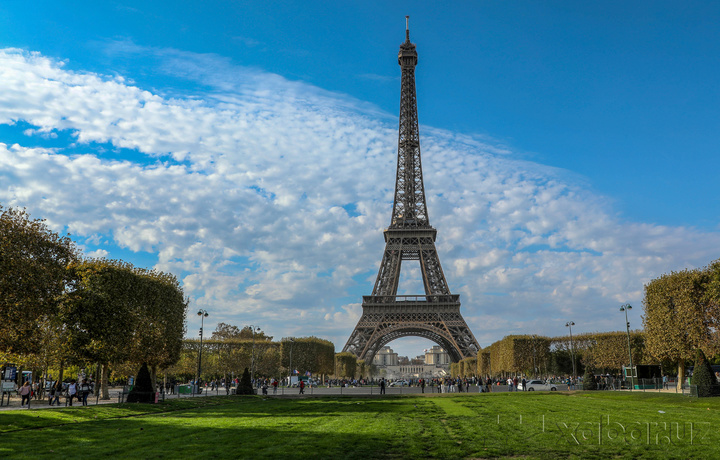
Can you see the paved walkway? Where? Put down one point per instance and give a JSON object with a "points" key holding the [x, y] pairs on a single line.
{"points": [[366, 390]]}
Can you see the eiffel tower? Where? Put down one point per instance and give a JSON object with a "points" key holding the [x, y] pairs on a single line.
{"points": [[386, 315]]}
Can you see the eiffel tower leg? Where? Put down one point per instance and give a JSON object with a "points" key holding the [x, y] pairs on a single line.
{"points": [[360, 337], [433, 276], [389, 273]]}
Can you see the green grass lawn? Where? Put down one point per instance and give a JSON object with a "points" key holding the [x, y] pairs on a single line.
{"points": [[528, 425]]}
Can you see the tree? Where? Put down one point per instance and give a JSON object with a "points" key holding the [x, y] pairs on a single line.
{"points": [[712, 297], [676, 317], [483, 363], [589, 382], [33, 278], [346, 364], [703, 376], [160, 313], [119, 313], [225, 331], [97, 314], [309, 354], [143, 391], [608, 351], [245, 387]]}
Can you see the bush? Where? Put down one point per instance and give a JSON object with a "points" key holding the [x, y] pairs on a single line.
{"points": [[245, 385], [703, 376], [589, 382], [143, 390]]}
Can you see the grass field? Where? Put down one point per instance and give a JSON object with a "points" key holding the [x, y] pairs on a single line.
{"points": [[528, 425]]}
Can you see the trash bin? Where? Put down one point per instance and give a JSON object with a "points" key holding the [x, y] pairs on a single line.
{"points": [[184, 389]]}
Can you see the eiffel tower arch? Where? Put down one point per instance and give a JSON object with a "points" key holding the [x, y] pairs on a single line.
{"points": [[434, 315]]}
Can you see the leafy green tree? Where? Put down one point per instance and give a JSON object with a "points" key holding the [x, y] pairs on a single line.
{"points": [[119, 313], [703, 376], [309, 354], [712, 297], [97, 314], [159, 320], [608, 351], [589, 382], [483, 362], [33, 279], [346, 365], [143, 390], [225, 331], [677, 320], [245, 387]]}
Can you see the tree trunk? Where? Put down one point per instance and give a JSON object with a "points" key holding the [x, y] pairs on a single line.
{"points": [[104, 380], [62, 370], [153, 376], [681, 374]]}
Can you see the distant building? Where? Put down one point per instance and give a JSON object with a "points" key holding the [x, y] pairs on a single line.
{"points": [[437, 356], [385, 357], [434, 363]]}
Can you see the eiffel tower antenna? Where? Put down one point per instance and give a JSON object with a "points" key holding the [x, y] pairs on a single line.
{"points": [[436, 314]]}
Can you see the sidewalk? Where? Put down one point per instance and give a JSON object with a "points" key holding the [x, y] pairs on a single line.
{"points": [[44, 402]]}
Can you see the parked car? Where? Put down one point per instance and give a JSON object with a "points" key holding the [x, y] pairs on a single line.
{"points": [[539, 385]]}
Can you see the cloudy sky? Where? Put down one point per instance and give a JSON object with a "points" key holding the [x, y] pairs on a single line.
{"points": [[570, 151]]}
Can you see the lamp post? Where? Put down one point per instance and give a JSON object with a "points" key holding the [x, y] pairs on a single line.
{"points": [[570, 324], [534, 337], [202, 314], [292, 342], [625, 308], [252, 362]]}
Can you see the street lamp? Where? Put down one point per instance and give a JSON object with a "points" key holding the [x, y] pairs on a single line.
{"points": [[535, 372], [625, 308], [252, 362], [292, 341], [202, 314], [570, 324]]}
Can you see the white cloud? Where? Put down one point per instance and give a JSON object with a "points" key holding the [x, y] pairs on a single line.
{"points": [[241, 193]]}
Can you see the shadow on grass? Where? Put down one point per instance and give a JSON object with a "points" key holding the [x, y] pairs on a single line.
{"points": [[179, 437], [465, 426]]}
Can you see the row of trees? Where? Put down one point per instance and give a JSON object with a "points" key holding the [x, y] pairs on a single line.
{"points": [[58, 309], [534, 355], [230, 350], [681, 324], [228, 356], [682, 315]]}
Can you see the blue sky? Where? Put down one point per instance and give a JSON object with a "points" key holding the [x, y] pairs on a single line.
{"points": [[569, 149]]}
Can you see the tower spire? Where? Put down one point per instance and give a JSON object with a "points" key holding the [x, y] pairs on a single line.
{"points": [[436, 314]]}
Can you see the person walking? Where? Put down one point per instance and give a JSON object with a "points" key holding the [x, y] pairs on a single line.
{"points": [[524, 384], [84, 392], [382, 386], [25, 391], [55, 393], [302, 387], [72, 391]]}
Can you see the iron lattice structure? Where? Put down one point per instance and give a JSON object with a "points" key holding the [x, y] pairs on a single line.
{"points": [[386, 315]]}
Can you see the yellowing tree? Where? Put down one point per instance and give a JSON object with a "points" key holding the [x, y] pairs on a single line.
{"points": [[33, 279], [676, 318]]}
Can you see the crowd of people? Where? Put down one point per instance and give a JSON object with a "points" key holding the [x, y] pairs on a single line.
{"points": [[77, 390]]}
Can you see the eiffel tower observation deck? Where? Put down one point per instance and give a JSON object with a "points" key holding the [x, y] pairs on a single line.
{"points": [[434, 315]]}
